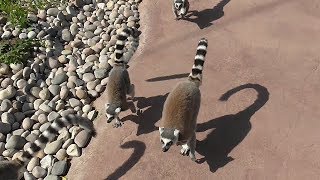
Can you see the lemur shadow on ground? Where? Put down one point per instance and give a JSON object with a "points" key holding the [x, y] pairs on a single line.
{"points": [[138, 151], [148, 118], [164, 78], [229, 130], [205, 17]]}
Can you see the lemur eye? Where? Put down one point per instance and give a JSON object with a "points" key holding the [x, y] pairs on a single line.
{"points": [[162, 141]]}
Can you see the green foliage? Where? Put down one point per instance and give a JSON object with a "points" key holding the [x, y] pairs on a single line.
{"points": [[17, 10], [15, 13], [17, 51]]}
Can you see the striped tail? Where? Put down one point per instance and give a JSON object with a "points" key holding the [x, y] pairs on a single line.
{"points": [[121, 40], [196, 73], [50, 133]]}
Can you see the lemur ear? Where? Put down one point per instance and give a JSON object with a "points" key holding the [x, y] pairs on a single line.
{"points": [[161, 129], [117, 110], [176, 133]]}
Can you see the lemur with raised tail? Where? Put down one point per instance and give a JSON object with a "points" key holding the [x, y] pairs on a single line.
{"points": [[180, 111], [14, 169], [119, 85]]}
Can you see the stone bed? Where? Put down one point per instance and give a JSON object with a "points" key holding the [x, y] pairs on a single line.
{"points": [[63, 77]]}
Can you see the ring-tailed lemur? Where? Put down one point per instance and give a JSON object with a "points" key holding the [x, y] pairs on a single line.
{"points": [[13, 170], [179, 116], [180, 8], [119, 84]]}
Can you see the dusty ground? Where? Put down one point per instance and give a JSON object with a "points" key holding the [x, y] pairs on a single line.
{"points": [[264, 55]]}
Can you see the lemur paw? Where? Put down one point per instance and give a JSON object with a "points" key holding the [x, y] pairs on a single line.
{"points": [[185, 150]]}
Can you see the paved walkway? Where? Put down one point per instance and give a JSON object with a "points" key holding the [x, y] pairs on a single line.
{"points": [[259, 116]]}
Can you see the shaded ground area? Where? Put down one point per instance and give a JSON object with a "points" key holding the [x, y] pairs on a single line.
{"points": [[259, 115]]}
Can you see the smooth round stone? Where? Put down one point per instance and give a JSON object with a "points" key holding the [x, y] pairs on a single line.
{"points": [[54, 89], [110, 5], [35, 91], [44, 107], [53, 11], [32, 34], [15, 142], [88, 77], [73, 150], [74, 29], [66, 35], [86, 108], [18, 132], [7, 93], [44, 94], [21, 83], [59, 78], [28, 176], [2, 137], [67, 143], [23, 36], [9, 152], [61, 154], [53, 147], [53, 116], [15, 126], [81, 94], [82, 138], [5, 128], [35, 161], [5, 105], [31, 137], [42, 118], [39, 172], [99, 88], [37, 103], [44, 126], [74, 102], [59, 168], [7, 81], [27, 123], [64, 92], [91, 58], [91, 85]]}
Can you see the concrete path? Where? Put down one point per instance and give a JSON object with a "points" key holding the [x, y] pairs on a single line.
{"points": [[259, 116]]}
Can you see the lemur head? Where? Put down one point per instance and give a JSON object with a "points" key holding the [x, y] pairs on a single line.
{"points": [[168, 137], [112, 112], [178, 4]]}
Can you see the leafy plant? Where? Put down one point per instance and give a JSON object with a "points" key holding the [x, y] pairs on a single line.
{"points": [[17, 51], [17, 10]]}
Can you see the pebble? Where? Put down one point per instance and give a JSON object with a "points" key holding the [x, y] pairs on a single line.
{"points": [[53, 147], [7, 118], [61, 154], [5, 128], [53, 11], [39, 172], [32, 34], [27, 123], [53, 116], [15, 142], [46, 161], [59, 168], [7, 93], [35, 161], [52, 177], [88, 77], [82, 138], [73, 150], [28, 176]]}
